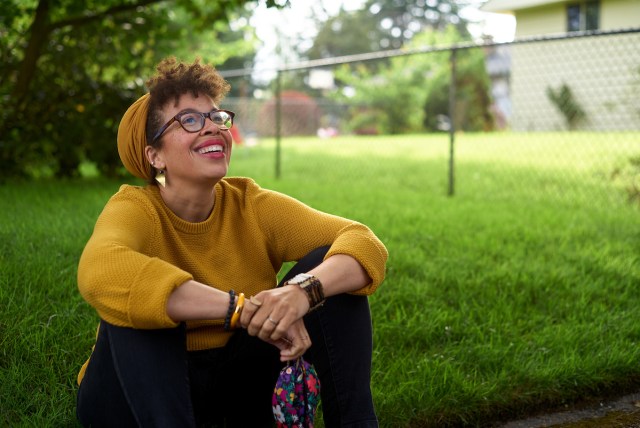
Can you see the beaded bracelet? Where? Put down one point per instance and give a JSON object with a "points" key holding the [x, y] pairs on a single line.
{"points": [[227, 319], [238, 311]]}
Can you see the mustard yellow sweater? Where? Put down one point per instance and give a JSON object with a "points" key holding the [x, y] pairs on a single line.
{"points": [[140, 251]]}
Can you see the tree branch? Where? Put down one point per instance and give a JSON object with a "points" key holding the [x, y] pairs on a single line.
{"points": [[85, 19]]}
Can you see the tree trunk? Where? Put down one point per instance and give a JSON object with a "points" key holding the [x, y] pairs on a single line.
{"points": [[38, 35]]}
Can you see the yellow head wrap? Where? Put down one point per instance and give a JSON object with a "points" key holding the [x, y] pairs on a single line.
{"points": [[132, 139]]}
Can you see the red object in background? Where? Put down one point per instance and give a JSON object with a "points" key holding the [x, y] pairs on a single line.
{"points": [[235, 134]]}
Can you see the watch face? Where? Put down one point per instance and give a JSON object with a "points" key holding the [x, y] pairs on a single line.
{"points": [[299, 279]]}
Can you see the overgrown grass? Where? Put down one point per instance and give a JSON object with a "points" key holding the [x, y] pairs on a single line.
{"points": [[518, 293]]}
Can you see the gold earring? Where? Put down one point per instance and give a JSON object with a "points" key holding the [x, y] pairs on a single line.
{"points": [[161, 178]]}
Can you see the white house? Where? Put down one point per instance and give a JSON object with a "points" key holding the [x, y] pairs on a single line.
{"points": [[602, 73]]}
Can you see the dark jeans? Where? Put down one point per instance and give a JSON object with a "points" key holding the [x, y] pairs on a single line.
{"points": [[147, 378]]}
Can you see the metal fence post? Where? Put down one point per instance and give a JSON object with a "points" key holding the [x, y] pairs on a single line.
{"points": [[278, 121], [452, 122]]}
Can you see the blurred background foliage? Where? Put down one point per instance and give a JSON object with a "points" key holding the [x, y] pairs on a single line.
{"points": [[409, 93], [70, 68]]}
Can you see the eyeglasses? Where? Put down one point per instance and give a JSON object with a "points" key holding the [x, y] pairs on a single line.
{"points": [[193, 121]]}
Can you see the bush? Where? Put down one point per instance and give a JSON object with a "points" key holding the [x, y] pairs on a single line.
{"points": [[566, 103], [300, 115]]}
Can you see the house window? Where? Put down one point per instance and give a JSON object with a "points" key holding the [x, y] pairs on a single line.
{"points": [[583, 16]]}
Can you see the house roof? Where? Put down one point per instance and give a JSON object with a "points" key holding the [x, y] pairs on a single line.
{"points": [[511, 5]]}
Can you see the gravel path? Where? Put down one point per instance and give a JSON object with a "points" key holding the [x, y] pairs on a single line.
{"points": [[623, 412]]}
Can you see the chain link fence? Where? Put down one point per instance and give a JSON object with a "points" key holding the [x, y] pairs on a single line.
{"points": [[556, 114]]}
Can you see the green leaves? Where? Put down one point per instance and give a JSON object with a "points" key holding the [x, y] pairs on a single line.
{"points": [[68, 76], [411, 93], [567, 105]]}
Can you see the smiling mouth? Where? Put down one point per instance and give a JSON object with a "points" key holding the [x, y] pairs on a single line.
{"points": [[211, 149]]}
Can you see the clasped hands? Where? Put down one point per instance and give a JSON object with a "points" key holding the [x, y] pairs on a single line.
{"points": [[275, 316]]}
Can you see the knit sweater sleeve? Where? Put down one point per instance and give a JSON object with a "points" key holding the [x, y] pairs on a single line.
{"points": [[117, 276], [294, 229]]}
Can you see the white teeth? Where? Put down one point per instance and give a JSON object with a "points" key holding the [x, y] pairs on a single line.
{"points": [[210, 149]]}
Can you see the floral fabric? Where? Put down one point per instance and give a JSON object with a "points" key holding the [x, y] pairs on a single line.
{"points": [[296, 395]]}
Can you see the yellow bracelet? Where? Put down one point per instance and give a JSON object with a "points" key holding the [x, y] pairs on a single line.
{"points": [[236, 314]]}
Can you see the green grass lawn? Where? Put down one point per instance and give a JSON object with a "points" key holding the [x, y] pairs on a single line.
{"points": [[518, 293]]}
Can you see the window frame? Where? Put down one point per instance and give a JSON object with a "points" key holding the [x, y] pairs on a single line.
{"points": [[586, 14]]}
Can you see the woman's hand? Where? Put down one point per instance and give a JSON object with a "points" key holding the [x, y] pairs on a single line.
{"points": [[295, 343], [270, 314]]}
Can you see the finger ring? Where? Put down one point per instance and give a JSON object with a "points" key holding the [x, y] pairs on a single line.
{"points": [[273, 321], [255, 301]]}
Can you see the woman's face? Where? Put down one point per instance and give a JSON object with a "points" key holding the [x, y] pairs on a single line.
{"points": [[196, 157]]}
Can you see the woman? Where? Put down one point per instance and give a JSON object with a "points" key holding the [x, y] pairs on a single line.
{"points": [[178, 344]]}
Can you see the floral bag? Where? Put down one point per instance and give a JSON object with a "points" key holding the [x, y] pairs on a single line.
{"points": [[296, 395]]}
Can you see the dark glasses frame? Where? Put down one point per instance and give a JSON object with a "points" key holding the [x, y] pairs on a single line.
{"points": [[204, 117]]}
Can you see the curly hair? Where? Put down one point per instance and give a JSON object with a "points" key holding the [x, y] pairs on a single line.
{"points": [[175, 78]]}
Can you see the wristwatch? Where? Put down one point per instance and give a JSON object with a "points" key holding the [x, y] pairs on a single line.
{"points": [[310, 285]]}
